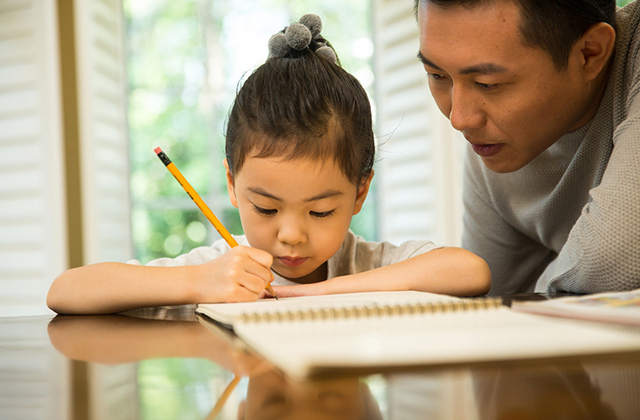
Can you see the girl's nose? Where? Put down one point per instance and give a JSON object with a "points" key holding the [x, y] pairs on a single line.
{"points": [[292, 233]]}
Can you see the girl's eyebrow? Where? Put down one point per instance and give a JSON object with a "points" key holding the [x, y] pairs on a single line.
{"points": [[325, 194], [321, 196]]}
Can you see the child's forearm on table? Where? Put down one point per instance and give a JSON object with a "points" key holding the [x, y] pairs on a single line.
{"points": [[451, 271], [115, 287]]}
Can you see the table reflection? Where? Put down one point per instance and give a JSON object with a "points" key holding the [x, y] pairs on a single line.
{"points": [[270, 396], [166, 364], [562, 390], [117, 340]]}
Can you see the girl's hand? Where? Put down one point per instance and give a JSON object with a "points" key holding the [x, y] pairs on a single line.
{"points": [[239, 275]]}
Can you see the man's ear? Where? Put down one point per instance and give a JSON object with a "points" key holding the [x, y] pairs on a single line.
{"points": [[363, 190], [230, 186], [594, 49]]}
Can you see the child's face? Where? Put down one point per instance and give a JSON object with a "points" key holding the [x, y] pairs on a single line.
{"points": [[270, 396], [297, 210]]}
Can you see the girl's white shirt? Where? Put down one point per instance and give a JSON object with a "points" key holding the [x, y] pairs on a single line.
{"points": [[354, 256]]}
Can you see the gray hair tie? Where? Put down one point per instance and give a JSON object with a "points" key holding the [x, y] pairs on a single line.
{"points": [[298, 36]]}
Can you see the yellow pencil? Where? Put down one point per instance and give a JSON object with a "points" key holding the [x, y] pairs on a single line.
{"points": [[223, 398], [202, 205]]}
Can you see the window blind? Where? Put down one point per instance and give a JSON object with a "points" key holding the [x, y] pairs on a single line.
{"points": [[104, 153], [33, 241], [37, 198], [420, 155]]}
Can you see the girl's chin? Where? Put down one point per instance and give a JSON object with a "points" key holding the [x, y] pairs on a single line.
{"points": [[296, 276], [301, 275]]}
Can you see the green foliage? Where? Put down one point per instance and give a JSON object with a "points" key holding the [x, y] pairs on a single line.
{"points": [[172, 389]]}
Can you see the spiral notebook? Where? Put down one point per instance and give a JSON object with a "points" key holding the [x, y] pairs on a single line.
{"points": [[320, 306], [318, 335]]}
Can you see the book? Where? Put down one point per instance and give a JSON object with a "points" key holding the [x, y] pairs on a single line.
{"points": [[320, 335], [616, 307]]}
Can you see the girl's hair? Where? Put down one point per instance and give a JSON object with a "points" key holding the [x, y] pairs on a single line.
{"points": [[302, 105]]}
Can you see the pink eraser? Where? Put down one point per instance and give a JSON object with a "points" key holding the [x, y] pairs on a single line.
{"points": [[157, 150]]}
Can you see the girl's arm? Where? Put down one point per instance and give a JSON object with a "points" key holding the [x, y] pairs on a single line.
{"points": [[450, 271], [241, 274], [117, 339]]}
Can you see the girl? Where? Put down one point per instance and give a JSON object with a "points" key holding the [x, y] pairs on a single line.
{"points": [[299, 157]]}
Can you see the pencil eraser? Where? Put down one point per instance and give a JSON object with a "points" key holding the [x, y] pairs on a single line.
{"points": [[157, 150]]}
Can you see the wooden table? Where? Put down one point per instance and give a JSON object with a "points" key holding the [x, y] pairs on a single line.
{"points": [[161, 363]]}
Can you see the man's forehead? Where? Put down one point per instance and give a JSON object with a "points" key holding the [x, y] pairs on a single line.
{"points": [[503, 19], [512, 6], [475, 41], [463, 3]]}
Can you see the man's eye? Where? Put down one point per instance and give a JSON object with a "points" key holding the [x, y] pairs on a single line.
{"points": [[264, 212], [321, 214], [486, 86], [435, 76]]}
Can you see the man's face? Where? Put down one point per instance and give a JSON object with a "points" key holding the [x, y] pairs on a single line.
{"points": [[508, 99]]}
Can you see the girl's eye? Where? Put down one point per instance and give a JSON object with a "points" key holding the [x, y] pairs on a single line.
{"points": [[264, 212], [321, 214]]}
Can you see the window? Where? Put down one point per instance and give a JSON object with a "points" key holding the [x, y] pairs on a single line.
{"points": [[420, 169]]}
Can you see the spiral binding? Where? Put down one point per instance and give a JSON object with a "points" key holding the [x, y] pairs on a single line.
{"points": [[373, 311]]}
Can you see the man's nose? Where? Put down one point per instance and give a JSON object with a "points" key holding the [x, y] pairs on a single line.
{"points": [[466, 112]]}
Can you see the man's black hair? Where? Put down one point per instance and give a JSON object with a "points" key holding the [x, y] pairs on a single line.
{"points": [[554, 26]]}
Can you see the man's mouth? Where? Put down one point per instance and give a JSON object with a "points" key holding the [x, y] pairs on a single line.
{"points": [[487, 150]]}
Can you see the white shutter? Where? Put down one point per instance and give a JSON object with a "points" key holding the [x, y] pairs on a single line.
{"points": [[113, 391], [34, 377], [104, 154], [104, 168], [420, 158], [33, 243], [33, 201]]}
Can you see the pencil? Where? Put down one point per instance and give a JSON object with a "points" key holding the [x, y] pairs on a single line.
{"points": [[223, 398], [202, 205]]}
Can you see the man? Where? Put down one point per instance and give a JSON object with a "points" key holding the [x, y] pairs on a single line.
{"points": [[546, 93]]}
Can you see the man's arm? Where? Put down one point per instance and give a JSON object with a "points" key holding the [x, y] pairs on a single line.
{"points": [[602, 252]]}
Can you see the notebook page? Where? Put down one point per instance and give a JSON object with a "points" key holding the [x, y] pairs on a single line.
{"points": [[301, 348]]}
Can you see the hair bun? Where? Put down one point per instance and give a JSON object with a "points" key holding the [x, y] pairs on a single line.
{"points": [[278, 46], [313, 22], [298, 36], [327, 53]]}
